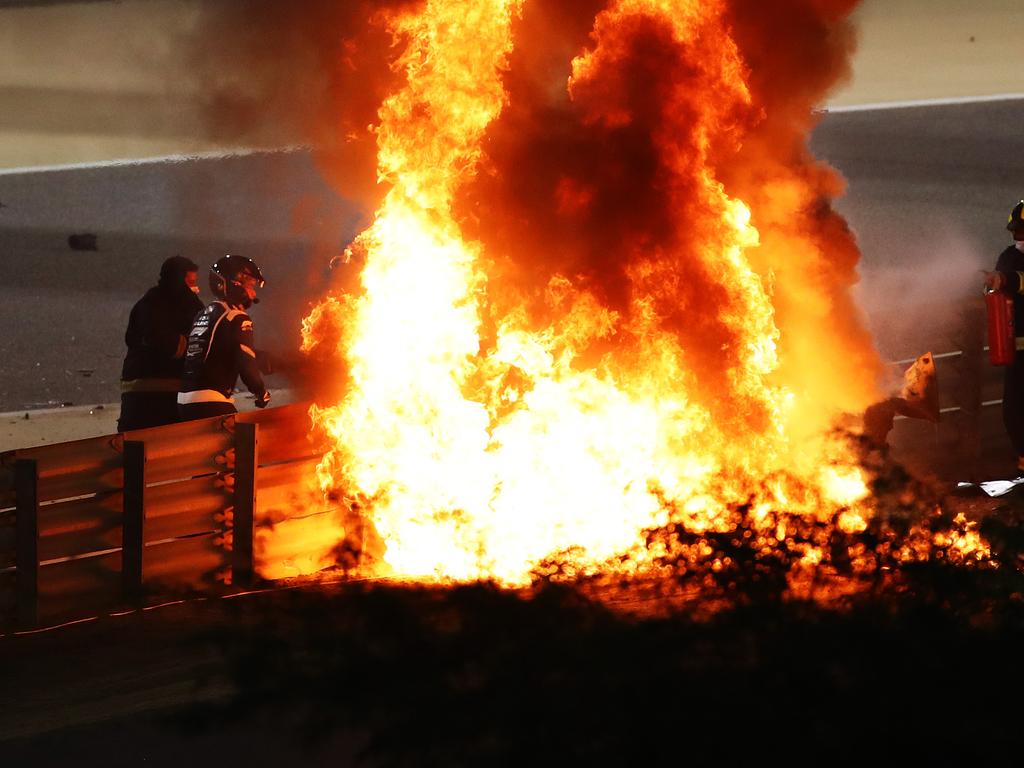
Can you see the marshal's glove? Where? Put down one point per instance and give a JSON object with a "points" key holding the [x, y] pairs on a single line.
{"points": [[994, 281]]}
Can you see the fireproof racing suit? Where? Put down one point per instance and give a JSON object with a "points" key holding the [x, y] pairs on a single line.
{"points": [[156, 339], [1011, 264], [220, 348]]}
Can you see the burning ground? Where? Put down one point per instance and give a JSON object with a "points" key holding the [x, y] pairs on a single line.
{"points": [[561, 336], [598, 328], [600, 325]]}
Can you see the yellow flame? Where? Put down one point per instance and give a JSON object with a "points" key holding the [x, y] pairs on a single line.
{"points": [[479, 459]]}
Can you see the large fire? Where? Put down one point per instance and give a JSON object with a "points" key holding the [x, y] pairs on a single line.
{"points": [[604, 293]]}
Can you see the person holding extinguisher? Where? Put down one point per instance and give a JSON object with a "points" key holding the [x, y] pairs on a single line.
{"points": [[1008, 280]]}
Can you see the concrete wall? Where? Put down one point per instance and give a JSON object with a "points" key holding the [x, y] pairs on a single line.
{"points": [[82, 82], [92, 81], [928, 49]]}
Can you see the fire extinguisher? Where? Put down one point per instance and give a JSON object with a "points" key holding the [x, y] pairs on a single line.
{"points": [[1002, 339]]}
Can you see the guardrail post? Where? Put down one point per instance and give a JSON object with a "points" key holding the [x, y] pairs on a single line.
{"points": [[133, 520], [247, 457], [26, 556]]}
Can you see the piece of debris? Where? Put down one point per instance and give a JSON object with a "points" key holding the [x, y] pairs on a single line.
{"points": [[991, 488], [83, 242], [920, 391], [918, 399], [26, 417]]}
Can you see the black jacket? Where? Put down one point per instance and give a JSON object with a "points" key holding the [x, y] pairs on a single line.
{"points": [[1011, 264], [220, 348], [157, 328]]}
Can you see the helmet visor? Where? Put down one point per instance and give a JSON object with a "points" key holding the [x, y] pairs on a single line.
{"points": [[248, 278], [249, 281]]}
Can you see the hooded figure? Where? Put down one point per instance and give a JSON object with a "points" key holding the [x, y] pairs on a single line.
{"points": [[156, 338]]}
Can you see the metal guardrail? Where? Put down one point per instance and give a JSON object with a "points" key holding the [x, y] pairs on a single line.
{"points": [[121, 519], [946, 356], [969, 442]]}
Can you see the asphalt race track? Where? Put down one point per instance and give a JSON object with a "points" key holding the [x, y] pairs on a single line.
{"points": [[64, 310], [929, 190]]}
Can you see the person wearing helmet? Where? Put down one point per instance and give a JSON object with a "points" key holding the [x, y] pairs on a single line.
{"points": [[220, 346], [1009, 277], [158, 327]]}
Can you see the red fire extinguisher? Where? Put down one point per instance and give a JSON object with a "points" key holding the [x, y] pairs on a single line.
{"points": [[1001, 334]]}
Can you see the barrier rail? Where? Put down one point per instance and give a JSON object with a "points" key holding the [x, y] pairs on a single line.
{"points": [[970, 442], [113, 521], [95, 524]]}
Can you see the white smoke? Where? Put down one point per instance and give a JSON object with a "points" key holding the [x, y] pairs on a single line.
{"points": [[915, 303]]}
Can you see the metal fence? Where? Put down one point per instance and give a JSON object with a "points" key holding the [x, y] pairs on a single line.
{"points": [[969, 442], [118, 520]]}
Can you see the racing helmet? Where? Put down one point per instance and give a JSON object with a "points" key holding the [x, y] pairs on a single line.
{"points": [[229, 276], [1016, 220]]}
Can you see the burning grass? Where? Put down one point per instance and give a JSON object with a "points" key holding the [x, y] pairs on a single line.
{"points": [[759, 554], [800, 549]]}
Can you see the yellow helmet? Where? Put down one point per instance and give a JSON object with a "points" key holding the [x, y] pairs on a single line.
{"points": [[1016, 220]]}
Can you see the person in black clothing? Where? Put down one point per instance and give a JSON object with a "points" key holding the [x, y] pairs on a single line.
{"points": [[220, 345], [156, 337], [1009, 277]]}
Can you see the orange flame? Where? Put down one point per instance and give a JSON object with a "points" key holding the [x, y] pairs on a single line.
{"points": [[502, 413]]}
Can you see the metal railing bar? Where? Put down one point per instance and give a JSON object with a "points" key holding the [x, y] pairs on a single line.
{"points": [[954, 409]]}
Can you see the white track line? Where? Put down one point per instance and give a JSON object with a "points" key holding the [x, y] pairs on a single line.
{"points": [[216, 155], [924, 103], [221, 154]]}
